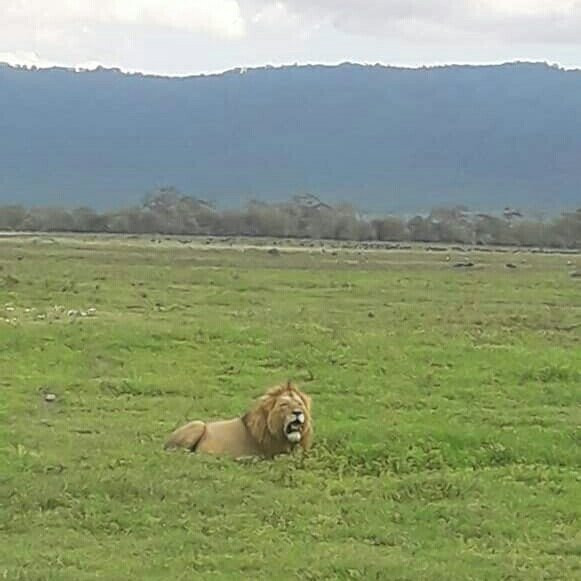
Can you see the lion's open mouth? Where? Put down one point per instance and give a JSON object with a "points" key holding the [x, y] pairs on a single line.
{"points": [[293, 429]]}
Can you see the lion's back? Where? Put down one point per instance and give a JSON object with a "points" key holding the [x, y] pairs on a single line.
{"points": [[227, 437]]}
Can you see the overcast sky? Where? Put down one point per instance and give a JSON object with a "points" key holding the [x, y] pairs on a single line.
{"points": [[198, 36]]}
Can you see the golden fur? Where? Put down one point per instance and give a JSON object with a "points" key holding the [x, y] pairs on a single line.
{"points": [[279, 422]]}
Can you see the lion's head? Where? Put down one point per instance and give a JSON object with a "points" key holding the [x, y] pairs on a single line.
{"points": [[281, 419]]}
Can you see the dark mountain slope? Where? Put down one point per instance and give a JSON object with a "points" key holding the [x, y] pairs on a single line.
{"points": [[382, 138]]}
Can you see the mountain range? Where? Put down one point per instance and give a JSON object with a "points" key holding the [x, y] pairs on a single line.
{"points": [[384, 139]]}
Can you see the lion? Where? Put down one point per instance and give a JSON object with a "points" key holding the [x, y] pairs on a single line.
{"points": [[278, 423]]}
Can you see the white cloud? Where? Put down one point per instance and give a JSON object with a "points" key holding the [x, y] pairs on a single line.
{"points": [[526, 8], [217, 17], [510, 20], [274, 15], [32, 59], [189, 36], [25, 58]]}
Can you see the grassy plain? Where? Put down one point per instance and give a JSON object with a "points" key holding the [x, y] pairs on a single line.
{"points": [[447, 409]]}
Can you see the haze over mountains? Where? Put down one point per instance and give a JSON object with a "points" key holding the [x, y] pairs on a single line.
{"points": [[385, 139]]}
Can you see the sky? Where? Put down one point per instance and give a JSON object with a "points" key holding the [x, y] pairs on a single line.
{"points": [[180, 37]]}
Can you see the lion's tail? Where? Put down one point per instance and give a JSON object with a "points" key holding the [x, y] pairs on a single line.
{"points": [[187, 436]]}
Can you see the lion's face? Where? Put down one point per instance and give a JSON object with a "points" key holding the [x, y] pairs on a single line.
{"points": [[290, 415], [281, 418]]}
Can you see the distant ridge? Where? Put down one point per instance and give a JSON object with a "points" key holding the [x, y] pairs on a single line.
{"points": [[383, 138]]}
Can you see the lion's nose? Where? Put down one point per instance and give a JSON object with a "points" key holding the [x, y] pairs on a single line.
{"points": [[299, 416]]}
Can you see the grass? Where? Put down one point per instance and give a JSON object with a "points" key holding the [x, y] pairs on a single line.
{"points": [[447, 409]]}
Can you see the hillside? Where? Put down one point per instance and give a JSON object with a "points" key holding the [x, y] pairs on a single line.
{"points": [[385, 139]]}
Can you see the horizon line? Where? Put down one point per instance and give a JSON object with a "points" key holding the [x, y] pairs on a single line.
{"points": [[241, 69]]}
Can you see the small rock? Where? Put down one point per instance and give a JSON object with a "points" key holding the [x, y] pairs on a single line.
{"points": [[49, 397]]}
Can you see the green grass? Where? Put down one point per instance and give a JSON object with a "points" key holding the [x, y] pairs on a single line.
{"points": [[446, 402]]}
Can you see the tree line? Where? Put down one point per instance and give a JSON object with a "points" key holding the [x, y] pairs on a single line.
{"points": [[167, 211]]}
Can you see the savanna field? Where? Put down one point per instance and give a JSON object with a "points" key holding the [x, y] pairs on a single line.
{"points": [[446, 402]]}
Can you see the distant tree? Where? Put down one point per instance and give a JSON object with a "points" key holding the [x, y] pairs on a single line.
{"points": [[453, 214], [127, 221], [345, 226], [540, 216], [567, 228], [509, 213], [390, 228], [528, 233], [167, 211], [87, 220], [230, 223], [422, 230], [365, 231], [268, 220], [48, 220], [310, 201], [492, 230], [171, 212], [452, 224], [12, 217], [162, 199]]}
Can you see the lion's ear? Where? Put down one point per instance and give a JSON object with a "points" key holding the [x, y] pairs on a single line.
{"points": [[266, 403]]}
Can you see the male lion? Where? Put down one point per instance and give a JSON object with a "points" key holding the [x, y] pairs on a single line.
{"points": [[278, 423]]}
